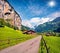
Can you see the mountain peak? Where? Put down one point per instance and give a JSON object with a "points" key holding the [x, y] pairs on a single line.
{"points": [[48, 26], [57, 19]]}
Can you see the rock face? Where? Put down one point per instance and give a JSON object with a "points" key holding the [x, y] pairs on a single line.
{"points": [[8, 13]]}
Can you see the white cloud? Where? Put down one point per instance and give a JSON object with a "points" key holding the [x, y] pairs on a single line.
{"points": [[53, 15], [27, 23], [43, 20], [38, 20], [35, 21]]}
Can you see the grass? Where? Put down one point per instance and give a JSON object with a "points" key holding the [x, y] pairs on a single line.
{"points": [[53, 43], [9, 37], [42, 48]]}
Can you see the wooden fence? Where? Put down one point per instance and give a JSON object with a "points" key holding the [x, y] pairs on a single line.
{"points": [[45, 44]]}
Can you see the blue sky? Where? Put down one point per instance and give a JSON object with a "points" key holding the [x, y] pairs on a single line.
{"points": [[35, 12]]}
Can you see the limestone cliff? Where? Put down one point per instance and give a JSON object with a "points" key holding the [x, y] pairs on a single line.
{"points": [[7, 12]]}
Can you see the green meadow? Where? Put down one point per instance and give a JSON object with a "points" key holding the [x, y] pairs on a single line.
{"points": [[9, 37], [53, 44]]}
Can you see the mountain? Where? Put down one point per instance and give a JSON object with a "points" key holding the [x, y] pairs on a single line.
{"points": [[24, 28], [56, 20], [49, 26]]}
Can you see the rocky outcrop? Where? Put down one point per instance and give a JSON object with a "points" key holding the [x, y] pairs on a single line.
{"points": [[7, 12]]}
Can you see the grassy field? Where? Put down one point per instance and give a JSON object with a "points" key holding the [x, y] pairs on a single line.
{"points": [[42, 48], [9, 37], [53, 43]]}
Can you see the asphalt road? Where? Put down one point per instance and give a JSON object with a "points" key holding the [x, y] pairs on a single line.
{"points": [[29, 46]]}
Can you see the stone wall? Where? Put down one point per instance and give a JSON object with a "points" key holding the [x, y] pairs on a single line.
{"points": [[8, 13]]}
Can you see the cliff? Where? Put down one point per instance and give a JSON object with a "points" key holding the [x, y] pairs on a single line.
{"points": [[8, 13]]}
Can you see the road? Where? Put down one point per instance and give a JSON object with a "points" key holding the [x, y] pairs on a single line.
{"points": [[29, 46]]}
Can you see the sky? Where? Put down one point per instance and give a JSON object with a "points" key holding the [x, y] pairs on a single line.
{"points": [[35, 12]]}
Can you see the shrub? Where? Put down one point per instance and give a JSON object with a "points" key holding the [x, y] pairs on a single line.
{"points": [[11, 26], [8, 24], [15, 28], [58, 34], [2, 22]]}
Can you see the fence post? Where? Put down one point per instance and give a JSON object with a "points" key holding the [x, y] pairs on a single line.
{"points": [[47, 49]]}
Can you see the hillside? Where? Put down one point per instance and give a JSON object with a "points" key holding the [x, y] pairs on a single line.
{"points": [[9, 37], [49, 26], [24, 28]]}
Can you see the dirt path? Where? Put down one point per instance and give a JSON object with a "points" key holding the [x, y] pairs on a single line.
{"points": [[30, 46]]}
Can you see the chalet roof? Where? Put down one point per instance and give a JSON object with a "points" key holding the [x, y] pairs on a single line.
{"points": [[30, 31]]}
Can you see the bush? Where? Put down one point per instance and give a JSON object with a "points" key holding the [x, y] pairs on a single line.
{"points": [[15, 28], [58, 34], [11, 26], [7, 24], [2, 22]]}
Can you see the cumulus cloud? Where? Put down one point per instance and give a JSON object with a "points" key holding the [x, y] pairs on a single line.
{"points": [[35, 21], [27, 23], [38, 20]]}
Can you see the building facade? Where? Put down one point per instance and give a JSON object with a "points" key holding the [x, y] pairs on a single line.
{"points": [[8, 13]]}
